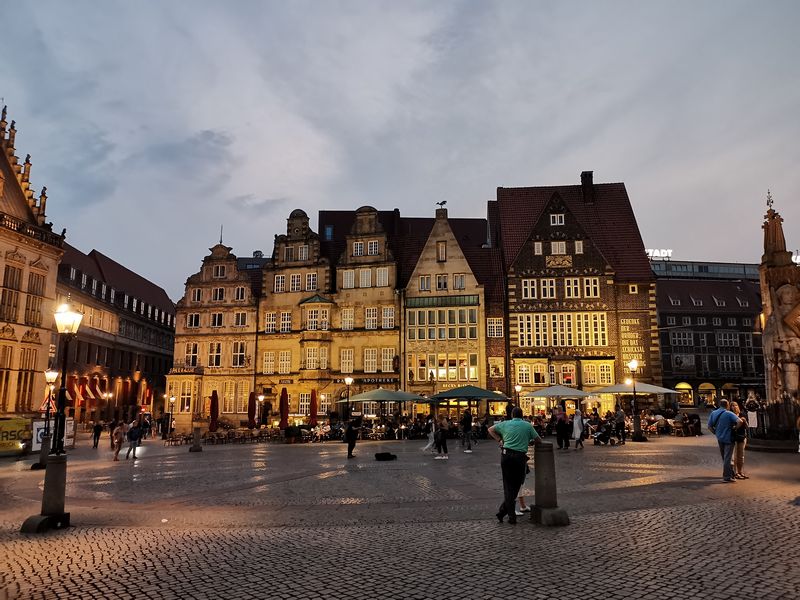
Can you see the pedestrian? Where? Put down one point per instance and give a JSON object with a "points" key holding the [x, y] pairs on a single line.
{"points": [[350, 436], [514, 437], [430, 431], [111, 428], [562, 430], [441, 439], [118, 436], [619, 424], [740, 441], [721, 423], [523, 508], [134, 435], [577, 429], [96, 431], [466, 427]]}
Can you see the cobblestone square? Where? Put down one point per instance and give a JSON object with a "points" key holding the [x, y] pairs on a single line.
{"points": [[649, 520]]}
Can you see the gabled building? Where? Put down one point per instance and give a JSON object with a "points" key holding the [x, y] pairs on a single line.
{"points": [[216, 338], [29, 255], [581, 295]]}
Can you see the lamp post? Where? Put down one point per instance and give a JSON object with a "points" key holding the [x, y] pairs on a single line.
{"points": [[260, 410], [517, 389], [171, 412], [107, 399], [55, 479], [638, 436], [164, 422], [348, 381], [50, 377]]}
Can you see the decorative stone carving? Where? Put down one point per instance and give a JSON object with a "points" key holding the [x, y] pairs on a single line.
{"points": [[14, 256], [31, 337], [7, 333], [39, 264]]}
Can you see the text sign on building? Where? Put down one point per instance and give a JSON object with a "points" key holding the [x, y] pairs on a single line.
{"points": [[658, 252], [630, 339]]}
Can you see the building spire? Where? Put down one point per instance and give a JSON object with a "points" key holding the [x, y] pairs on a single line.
{"points": [[775, 253], [3, 121], [220, 234]]}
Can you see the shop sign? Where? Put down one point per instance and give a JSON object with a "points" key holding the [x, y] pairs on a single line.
{"points": [[285, 381], [370, 380], [658, 252], [38, 432], [12, 433]]}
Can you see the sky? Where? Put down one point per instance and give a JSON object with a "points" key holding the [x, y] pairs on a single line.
{"points": [[153, 123]]}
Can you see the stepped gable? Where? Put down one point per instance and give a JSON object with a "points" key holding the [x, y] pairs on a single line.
{"points": [[606, 216]]}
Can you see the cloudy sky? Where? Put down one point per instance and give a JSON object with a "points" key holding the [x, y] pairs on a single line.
{"points": [[153, 123]]}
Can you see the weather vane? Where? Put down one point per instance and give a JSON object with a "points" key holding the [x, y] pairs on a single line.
{"points": [[769, 199], [441, 204]]}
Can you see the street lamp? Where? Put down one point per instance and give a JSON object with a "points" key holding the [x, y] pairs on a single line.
{"points": [[107, 398], [638, 436], [50, 377], [171, 412], [55, 478], [348, 381], [518, 389], [260, 410]]}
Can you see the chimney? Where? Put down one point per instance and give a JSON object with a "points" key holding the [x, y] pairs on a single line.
{"points": [[587, 186]]}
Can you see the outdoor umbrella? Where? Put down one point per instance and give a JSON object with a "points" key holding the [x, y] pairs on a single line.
{"points": [[378, 395], [313, 409], [284, 409], [558, 391], [212, 426], [641, 388], [251, 411], [468, 392]]}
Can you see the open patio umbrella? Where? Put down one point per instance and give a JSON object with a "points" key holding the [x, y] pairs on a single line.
{"points": [[377, 395], [251, 411], [284, 409], [313, 409], [214, 412], [557, 391], [641, 388], [468, 392]]}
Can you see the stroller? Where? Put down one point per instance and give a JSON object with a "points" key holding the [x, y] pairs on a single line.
{"points": [[603, 435]]}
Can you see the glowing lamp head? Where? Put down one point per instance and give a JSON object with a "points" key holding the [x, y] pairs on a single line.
{"points": [[633, 365], [68, 319], [348, 381], [518, 388], [261, 397], [50, 376], [628, 381]]}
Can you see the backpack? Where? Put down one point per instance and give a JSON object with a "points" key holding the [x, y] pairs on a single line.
{"points": [[427, 428], [133, 434]]}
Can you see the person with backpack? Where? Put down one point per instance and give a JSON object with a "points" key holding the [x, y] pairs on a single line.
{"points": [[134, 435]]}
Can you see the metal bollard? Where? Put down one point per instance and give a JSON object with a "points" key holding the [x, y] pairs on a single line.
{"points": [[545, 510], [196, 447]]}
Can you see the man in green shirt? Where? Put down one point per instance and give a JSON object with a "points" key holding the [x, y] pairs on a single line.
{"points": [[514, 437]]}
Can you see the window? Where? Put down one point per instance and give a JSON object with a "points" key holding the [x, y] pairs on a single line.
{"points": [[548, 288], [294, 282], [312, 358], [528, 289], [681, 338], [674, 301], [214, 354], [424, 283], [441, 251], [285, 362], [633, 288], [747, 322], [372, 248], [371, 317], [562, 329], [238, 293], [365, 278], [240, 319], [731, 321], [347, 318], [540, 374], [302, 252], [382, 277], [190, 354], [743, 303], [193, 320], [286, 321], [370, 360], [270, 322], [217, 294], [590, 374], [72, 273], [727, 339], [494, 327], [523, 374], [670, 320], [556, 219], [568, 374], [558, 247], [701, 320], [311, 282], [579, 247], [716, 321], [216, 319], [346, 360], [238, 354], [441, 283], [348, 279], [324, 404], [387, 317], [288, 253], [718, 301], [268, 366], [387, 360], [686, 321], [219, 271], [358, 248], [591, 287], [324, 319], [605, 375], [312, 319], [537, 248], [696, 301], [323, 358], [304, 403], [730, 363], [703, 339], [572, 287], [197, 295], [280, 284]]}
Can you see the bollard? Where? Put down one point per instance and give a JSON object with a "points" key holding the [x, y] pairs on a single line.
{"points": [[196, 447], [43, 452], [546, 511]]}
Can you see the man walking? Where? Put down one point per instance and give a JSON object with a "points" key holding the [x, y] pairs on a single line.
{"points": [[96, 431], [134, 435], [466, 427], [514, 437], [721, 423]]}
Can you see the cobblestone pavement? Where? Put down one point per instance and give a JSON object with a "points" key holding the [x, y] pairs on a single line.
{"points": [[649, 520]]}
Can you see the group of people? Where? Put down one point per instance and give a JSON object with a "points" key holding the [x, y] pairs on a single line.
{"points": [[134, 432], [730, 428], [439, 429]]}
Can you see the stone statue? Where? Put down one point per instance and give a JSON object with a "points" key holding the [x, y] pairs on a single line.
{"points": [[781, 340]]}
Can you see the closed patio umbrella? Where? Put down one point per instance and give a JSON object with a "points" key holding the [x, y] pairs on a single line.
{"points": [[313, 409], [284, 409], [213, 423], [251, 411]]}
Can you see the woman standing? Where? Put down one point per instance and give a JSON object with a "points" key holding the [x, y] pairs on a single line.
{"points": [[430, 431], [118, 436], [739, 434], [441, 439], [577, 429]]}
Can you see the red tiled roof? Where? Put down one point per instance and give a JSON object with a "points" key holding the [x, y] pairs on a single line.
{"points": [[608, 220]]}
